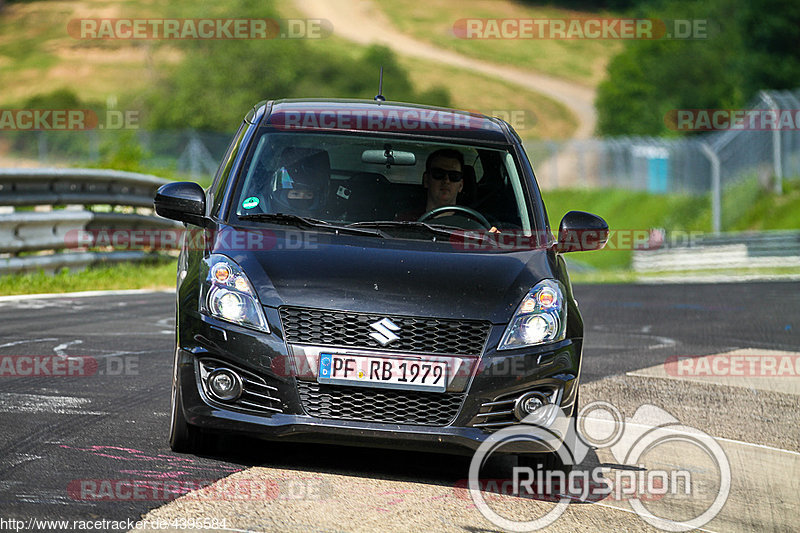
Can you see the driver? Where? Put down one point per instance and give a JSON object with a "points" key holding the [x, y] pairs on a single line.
{"points": [[299, 186], [443, 179]]}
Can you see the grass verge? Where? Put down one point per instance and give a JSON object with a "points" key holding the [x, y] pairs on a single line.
{"points": [[688, 276], [155, 274], [745, 207]]}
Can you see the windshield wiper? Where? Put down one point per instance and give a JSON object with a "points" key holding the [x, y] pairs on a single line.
{"points": [[300, 221], [283, 218], [435, 229]]}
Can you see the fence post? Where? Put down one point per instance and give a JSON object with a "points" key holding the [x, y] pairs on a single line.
{"points": [[41, 141], [776, 143], [716, 193], [197, 157]]}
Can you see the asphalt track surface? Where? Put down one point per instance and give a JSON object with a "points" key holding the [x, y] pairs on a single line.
{"points": [[59, 432]]}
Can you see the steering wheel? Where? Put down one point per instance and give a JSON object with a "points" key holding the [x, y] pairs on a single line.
{"points": [[469, 212]]}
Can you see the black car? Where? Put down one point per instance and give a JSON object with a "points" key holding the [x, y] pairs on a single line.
{"points": [[325, 295]]}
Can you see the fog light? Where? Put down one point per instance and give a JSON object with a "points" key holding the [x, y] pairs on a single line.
{"points": [[225, 384], [528, 403]]}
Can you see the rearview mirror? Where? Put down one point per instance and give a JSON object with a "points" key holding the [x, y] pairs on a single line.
{"points": [[580, 232], [389, 157], [184, 201]]}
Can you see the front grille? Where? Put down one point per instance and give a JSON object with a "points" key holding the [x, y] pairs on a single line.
{"points": [[257, 395], [416, 335], [386, 406]]}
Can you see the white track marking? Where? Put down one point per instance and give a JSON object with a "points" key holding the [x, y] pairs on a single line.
{"points": [[11, 402], [679, 432], [19, 458], [166, 323], [27, 341], [715, 278], [61, 348], [631, 511], [83, 294]]}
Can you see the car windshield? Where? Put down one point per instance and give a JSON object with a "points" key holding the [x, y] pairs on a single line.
{"points": [[381, 182]]}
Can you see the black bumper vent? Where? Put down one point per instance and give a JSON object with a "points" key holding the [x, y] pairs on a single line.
{"points": [[386, 406], [257, 395]]}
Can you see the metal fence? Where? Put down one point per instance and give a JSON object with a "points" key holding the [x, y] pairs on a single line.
{"points": [[771, 249], [693, 165], [685, 165], [194, 154], [55, 218]]}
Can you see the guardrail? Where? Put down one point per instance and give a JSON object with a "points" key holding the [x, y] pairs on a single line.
{"points": [[70, 208], [770, 249]]}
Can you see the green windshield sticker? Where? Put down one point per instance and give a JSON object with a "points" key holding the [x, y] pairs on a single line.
{"points": [[250, 203]]}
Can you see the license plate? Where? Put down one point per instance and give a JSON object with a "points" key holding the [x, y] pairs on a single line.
{"points": [[409, 374]]}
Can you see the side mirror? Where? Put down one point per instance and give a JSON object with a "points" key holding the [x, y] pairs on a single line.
{"points": [[184, 201], [580, 232]]}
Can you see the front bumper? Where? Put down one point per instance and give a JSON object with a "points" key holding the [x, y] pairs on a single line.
{"points": [[492, 377]]}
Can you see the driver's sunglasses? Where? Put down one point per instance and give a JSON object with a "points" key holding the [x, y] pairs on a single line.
{"points": [[453, 175]]}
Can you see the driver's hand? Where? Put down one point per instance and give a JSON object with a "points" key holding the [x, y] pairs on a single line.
{"points": [[494, 230]]}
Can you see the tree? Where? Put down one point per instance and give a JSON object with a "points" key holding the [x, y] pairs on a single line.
{"points": [[652, 77], [770, 32], [218, 81]]}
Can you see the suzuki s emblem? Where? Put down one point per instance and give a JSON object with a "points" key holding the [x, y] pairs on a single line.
{"points": [[383, 331]]}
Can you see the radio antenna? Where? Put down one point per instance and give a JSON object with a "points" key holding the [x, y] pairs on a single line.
{"points": [[379, 97]]}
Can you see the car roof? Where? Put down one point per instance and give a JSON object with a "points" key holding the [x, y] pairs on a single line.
{"points": [[381, 117]]}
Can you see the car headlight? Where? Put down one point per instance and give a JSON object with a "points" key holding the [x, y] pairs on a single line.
{"points": [[228, 294], [540, 318]]}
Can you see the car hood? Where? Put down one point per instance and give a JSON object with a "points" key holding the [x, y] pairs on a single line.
{"points": [[391, 276]]}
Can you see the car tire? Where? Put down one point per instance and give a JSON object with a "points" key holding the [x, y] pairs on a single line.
{"points": [[552, 461], [546, 461], [183, 437]]}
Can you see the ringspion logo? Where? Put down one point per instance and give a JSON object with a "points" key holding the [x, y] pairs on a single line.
{"points": [[696, 467]]}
